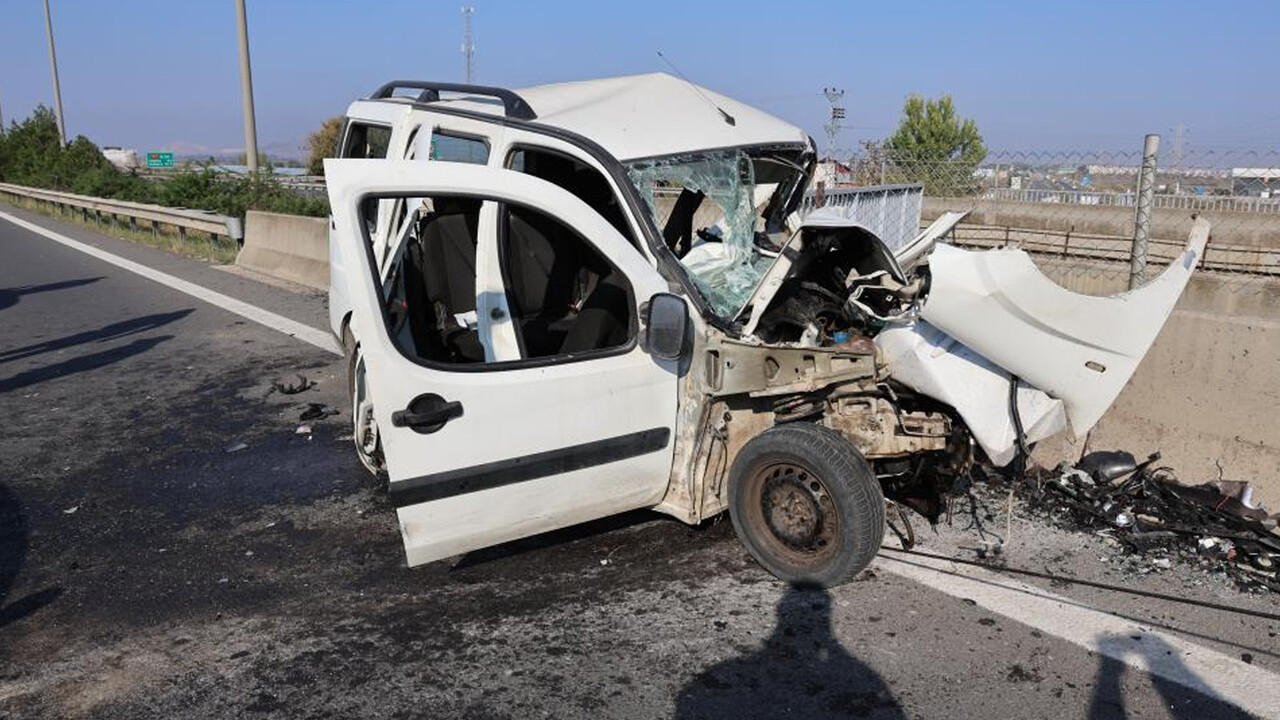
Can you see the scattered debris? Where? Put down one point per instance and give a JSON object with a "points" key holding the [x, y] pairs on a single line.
{"points": [[316, 411], [1217, 524], [303, 385], [236, 447]]}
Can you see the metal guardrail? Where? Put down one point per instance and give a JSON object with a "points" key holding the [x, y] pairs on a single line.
{"points": [[181, 218], [1169, 202], [892, 212]]}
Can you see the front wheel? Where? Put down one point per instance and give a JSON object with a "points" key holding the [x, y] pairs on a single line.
{"points": [[806, 504]]}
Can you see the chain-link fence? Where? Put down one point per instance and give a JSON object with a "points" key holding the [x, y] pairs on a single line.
{"points": [[1075, 211]]}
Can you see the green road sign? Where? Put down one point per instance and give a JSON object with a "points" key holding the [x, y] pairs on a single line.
{"points": [[160, 160]]}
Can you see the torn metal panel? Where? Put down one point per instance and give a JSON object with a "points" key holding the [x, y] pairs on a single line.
{"points": [[916, 250], [927, 360], [734, 368], [1078, 348]]}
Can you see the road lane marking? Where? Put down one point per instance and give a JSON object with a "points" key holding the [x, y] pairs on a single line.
{"points": [[1215, 674], [266, 318]]}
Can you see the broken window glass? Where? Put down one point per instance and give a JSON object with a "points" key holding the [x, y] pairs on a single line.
{"points": [[708, 207]]}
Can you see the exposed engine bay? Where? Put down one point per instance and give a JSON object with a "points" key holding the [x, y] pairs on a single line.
{"points": [[836, 282], [923, 406]]}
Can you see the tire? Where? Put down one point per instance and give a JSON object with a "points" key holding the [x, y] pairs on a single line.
{"points": [[364, 430], [806, 505]]}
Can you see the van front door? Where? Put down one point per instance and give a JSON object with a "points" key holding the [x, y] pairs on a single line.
{"points": [[480, 449]]}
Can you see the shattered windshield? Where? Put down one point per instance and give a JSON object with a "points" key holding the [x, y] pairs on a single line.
{"points": [[720, 212]]}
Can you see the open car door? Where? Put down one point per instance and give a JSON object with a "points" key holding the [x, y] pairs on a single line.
{"points": [[500, 447]]}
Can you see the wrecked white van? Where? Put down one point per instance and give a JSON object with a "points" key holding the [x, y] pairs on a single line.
{"points": [[580, 299]]}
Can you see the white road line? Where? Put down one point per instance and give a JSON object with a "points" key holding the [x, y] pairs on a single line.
{"points": [[1168, 656], [266, 318]]}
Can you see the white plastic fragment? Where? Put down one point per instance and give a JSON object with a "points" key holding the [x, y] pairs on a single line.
{"points": [[1079, 348], [925, 359]]}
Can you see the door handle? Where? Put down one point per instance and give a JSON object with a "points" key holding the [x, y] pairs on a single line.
{"points": [[427, 413]]}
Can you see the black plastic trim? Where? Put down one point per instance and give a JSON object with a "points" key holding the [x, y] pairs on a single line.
{"points": [[501, 473], [513, 105]]}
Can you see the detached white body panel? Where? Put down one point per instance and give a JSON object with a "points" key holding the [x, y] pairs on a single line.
{"points": [[925, 359], [913, 252], [1078, 348]]}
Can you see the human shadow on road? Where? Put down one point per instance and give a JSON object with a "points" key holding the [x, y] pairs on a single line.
{"points": [[10, 296], [80, 364], [14, 534], [801, 671], [1181, 698], [113, 331]]}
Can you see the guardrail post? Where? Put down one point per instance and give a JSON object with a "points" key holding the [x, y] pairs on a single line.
{"points": [[1142, 219]]}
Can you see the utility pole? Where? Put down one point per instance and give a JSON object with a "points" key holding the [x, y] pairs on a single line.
{"points": [[1142, 220], [834, 96], [468, 47], [53, 65], [246, 92]]}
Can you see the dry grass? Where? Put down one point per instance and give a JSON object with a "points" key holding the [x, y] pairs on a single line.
{"points": [[200, 245]]}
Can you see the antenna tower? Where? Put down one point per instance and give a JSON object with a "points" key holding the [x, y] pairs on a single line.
{"points": [[468, 47], [834, 96]]}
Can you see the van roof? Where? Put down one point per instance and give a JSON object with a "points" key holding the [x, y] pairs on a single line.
{"points": [[640, 116]]}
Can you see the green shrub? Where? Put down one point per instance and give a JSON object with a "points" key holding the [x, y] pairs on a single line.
{"points": [[30, 154]]}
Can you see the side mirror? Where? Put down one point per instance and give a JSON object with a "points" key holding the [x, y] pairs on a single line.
{"points": [[665, 324]]}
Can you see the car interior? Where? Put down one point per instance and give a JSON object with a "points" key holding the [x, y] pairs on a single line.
{"points": [[564, 297]]}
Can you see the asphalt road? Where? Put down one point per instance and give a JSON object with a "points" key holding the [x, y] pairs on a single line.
{"points": [[145, 571]]}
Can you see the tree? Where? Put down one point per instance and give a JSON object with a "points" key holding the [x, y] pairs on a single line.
{"points": [[936, 147], [322, 144], [32, 149]]}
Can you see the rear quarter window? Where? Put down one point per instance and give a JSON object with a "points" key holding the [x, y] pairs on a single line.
{"points": [[366, 140]]}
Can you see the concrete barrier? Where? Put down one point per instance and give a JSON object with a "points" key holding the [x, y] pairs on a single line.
{"points": [[1206, 395], [288, 247]]}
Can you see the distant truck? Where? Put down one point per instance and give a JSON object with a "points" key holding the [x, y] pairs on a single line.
{"points": [[124, 158], [574, 300]]}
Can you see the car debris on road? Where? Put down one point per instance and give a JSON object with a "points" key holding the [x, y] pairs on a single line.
{"points": [[302, 385], [1151, 514]]}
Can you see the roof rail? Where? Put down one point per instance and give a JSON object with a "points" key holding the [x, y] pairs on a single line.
{"points": [[513, 104]]}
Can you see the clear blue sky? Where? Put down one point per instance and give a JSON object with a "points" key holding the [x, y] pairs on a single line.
{"points": [[1035, 75]]}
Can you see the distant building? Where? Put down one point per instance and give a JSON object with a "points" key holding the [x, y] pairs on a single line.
{"points": [[123, 158], [1255, 182]]}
